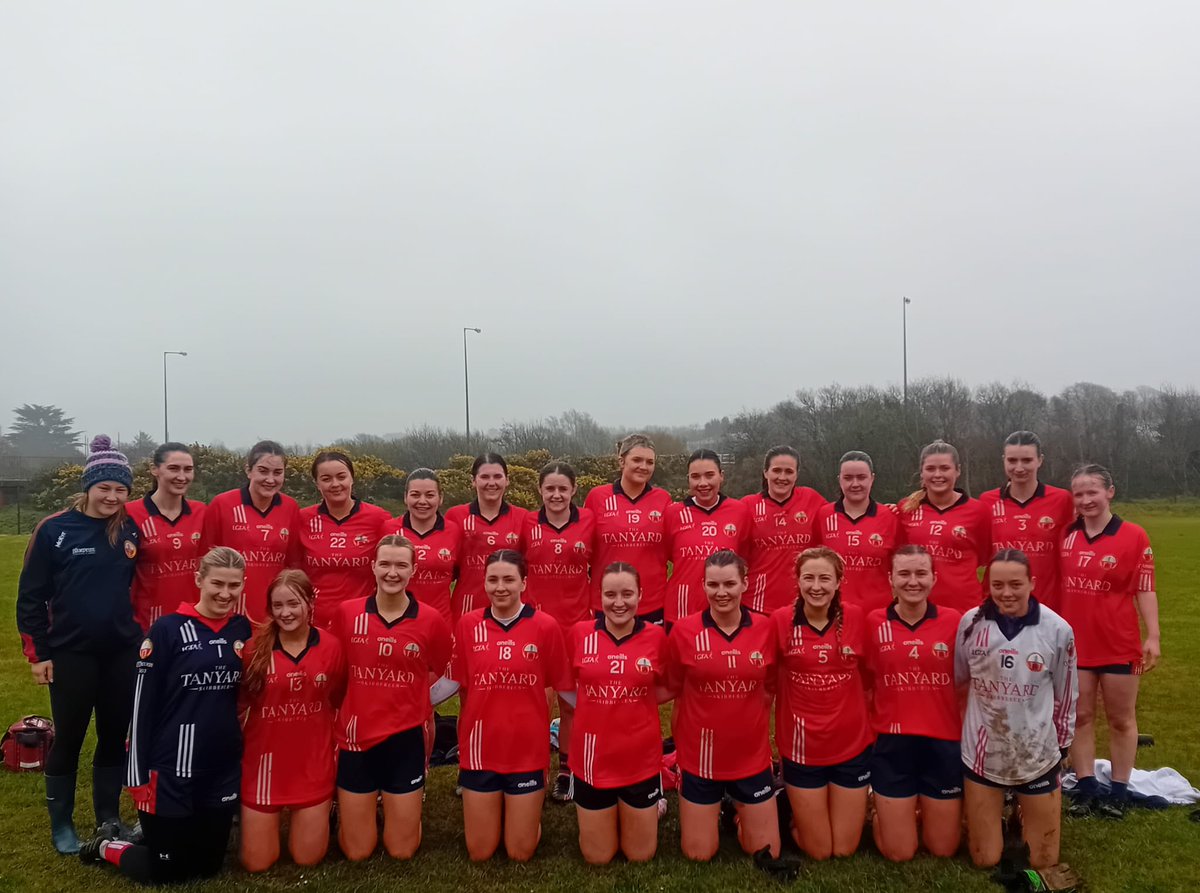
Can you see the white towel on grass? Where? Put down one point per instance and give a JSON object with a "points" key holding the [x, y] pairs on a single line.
{"points": [[1165, 783]]}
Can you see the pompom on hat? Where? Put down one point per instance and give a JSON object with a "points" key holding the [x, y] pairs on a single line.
{"points": [[106, 464]]}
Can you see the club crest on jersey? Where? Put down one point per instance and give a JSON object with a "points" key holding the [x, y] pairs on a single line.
{"points": [[847, 653], [283, 532], [320, 679], [643, 665], [130, 549], [146, 650], [800, 517], [511, 539], [1046, 522], [1035, 662], [656, 516], [1147, 553], [875, 539], [941, 649], [960, 532], [1109, 561], [730, 530], [444, 554], [530, 651], [412, 649], [361, 540], [238, 647], [580, 547], [196, 537], [756, 658]]}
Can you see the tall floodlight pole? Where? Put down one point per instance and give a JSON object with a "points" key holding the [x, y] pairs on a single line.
{"points": [[904, 331], [166, 424], [467, 380]]}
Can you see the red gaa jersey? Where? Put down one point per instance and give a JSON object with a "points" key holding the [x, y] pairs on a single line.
{"points": [[436, 562], [1099, 578], [694, 533], [779, 531], [504, 673], [338, 555], [722, 706], [390, 666], [480, 538], [167, 556], [866, 544], [821, 705], [912, 673], [958, 538], [289, 756], [267, 540], [1036, 527], [633, 531], [558, 564], [617, 737]]}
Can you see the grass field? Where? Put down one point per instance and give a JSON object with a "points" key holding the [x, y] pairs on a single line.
{"points": [[1146, 852]]}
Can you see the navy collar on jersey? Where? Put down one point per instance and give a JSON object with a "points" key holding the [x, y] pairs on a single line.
{"points": [[931, 613], [1011, 626], [410, 613], [765, 493], [500, 514], [314, 637], [525, 612], [439, 523], [872, 508], [1110, 529], [804, 621], [572, 517], [1038, 492], [962, 497], [153, 509], [691, 503], [619, 490], [248, 501], [323, 509], [706, 619], [187, 609], [638, 625]]}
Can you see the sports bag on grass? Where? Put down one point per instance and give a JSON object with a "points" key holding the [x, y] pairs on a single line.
{"points": [[26, 744]]}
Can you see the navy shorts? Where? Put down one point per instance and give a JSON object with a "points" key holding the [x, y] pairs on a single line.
{"points": [[639, 795], [756, 788], [908, 765], [396, 765], [483, 781], [1046, 783], [853, 773]]}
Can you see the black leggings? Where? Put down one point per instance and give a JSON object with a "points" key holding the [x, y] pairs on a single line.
{"points": [[83, 682], [178, 849]]}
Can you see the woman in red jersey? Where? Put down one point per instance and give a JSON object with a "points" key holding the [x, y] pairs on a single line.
{"points": [[720, 666], [505, 657], [170, 525], [951, 526], [916, 767], [1107, 581], [557, 544], [707, 521], [619, 663], [783, 521], [294, 680], [260, 522], [395, 648], [438, 542], [821, 727], [862, 531], [1029, 516], [488, 522], [337, 537], [630, 522]]}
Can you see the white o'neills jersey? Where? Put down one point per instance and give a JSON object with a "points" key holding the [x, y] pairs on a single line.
{"points": [[1021, 695]]}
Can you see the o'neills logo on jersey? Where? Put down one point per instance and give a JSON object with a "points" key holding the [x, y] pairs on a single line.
{"points": [[1046, 522], [960, 532], [130, 549], [530, 651], [643, 665], [146, 650], [444, 554], [655, 516], [756, 658], [941, 649], [412, 649], [801, 517], [730, 529], [1035, 662], [1109, 561]]}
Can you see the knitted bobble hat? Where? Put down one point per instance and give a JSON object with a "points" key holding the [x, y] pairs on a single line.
{"points": [[106, 464]]}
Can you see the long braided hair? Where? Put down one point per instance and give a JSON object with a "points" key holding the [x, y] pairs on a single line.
{"points": [[987, 608], [836, 614]]}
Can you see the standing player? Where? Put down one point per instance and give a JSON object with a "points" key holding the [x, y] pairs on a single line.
{"points": [[169, 525], [720, 665], [915, 767], [783, 520], [337, 537], [630, 518], [438, 542], [1029, 515], [1107, 581], [77, 629], [557, 544], [951, 526], [260, 522], [821, 727], [1017, 658], [863, 532], [505, 657], [395, 648], [488, 522], [619, 663], [705, 522], [185, 742], [294, 681]]}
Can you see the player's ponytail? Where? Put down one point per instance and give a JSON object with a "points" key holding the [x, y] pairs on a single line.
{"points": [[913, 500], [266, 634]]}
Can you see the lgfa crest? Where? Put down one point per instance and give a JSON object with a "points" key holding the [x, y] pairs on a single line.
{"points": [[1046, 522], [941, 649], [643, 665], [530, 651], [1109, 561]]}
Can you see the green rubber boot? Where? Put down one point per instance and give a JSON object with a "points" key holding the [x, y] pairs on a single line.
{"points": [[60, 803]]}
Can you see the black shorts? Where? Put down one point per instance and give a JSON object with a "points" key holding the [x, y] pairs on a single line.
{"points": [[853, 773], [1046, 783], [395, 765], [908, 765], [639, 795], [1130, 669], [756, 788], [483, 781]]}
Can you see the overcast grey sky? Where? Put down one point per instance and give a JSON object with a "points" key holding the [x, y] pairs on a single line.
{"points": [[658, 213]]}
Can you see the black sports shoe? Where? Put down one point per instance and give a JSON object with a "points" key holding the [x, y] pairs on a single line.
{"points": [[1110, 808], [1082, 807], [564, 788], [90, 851]]}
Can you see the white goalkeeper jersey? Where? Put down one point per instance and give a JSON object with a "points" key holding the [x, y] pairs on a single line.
{"points": [[1021, 695]]}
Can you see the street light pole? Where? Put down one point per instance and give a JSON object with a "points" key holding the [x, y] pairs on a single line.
{"points": [[467, 380], [166, 426], [904, 330]]}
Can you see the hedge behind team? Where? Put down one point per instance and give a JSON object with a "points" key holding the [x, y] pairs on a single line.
{"points": [[335, 543]]}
